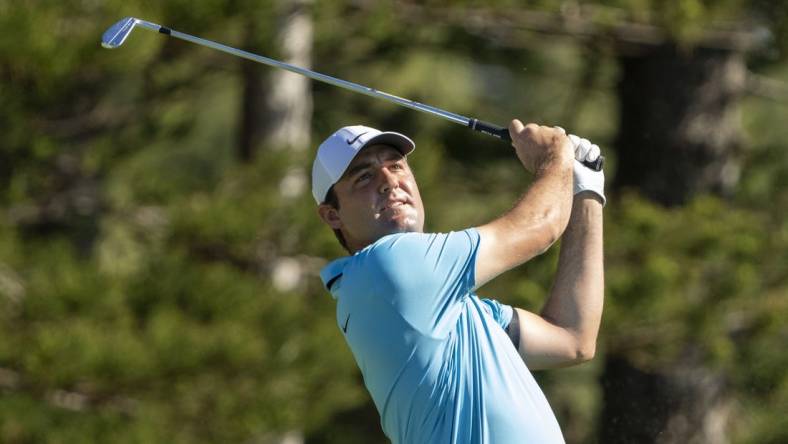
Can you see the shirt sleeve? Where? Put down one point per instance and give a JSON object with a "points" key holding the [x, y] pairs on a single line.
{"points": [[502, 313]]}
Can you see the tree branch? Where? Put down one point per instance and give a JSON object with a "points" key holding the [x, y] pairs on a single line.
{"points": [[767, 88], [514, 28], [13, 381]]}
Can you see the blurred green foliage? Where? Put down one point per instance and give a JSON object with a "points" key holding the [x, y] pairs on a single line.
{"points": [[137, 255]]}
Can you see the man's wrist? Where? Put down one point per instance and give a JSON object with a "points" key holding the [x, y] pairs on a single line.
{"points": [[556, 162]]}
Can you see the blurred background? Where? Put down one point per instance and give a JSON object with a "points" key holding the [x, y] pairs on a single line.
{"points": [[160, 249]]}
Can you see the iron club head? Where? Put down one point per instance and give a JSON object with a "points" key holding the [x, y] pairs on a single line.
{"points": [[117, 33]]}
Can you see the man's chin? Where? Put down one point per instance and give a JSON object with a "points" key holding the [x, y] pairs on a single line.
{"points": [[402, 225]]}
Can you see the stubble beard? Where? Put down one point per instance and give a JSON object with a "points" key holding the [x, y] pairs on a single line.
{"points": [[403, 219]]}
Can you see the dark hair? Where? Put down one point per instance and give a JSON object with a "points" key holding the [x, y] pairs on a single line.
{"points": [[333, 201]]}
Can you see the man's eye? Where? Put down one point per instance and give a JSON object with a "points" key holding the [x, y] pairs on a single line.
{"points": [[362, 177]]}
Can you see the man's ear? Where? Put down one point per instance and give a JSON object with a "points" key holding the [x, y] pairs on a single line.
{"points": [[330, 216]]}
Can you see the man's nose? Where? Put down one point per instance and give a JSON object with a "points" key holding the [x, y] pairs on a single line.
{"points": [[389, 181]]}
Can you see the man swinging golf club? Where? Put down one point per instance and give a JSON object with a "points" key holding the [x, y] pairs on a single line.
{"points": [[441, 364]]}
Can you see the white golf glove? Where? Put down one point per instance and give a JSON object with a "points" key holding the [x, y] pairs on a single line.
{"points": [[587, 179]]}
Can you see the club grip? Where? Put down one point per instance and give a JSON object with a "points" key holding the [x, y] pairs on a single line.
{"points": [[503, 134], [488, 128]]}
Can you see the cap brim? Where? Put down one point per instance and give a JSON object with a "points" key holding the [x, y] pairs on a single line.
{"points": [[399, 141]]}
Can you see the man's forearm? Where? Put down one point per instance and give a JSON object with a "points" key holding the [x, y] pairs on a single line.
{"points": [[543, 211], [534, 223], [575, 301]]}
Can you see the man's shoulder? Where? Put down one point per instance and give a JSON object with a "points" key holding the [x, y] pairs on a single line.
{"points": [[416, 253], [405, 255], [394, 249], [414, 241]]}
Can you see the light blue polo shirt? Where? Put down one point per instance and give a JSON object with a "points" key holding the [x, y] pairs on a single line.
{"points": [[435, 358]]}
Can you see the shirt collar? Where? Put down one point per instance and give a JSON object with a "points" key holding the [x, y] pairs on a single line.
{"points": [[331, 272]]}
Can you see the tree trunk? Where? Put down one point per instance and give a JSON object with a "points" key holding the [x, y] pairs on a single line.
{"points": [[680, 130], [276, 113], [684, 404], [276, 105], [679, 137], [249, 134], [288, 105]]}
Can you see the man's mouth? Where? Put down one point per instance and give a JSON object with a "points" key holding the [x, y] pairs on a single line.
{"points": [[391, 205]]}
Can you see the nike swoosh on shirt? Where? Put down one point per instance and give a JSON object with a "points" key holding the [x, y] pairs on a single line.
{"points": [[344, 329]]}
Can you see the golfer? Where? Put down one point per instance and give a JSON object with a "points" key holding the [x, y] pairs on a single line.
{"points": [[441, 364]]}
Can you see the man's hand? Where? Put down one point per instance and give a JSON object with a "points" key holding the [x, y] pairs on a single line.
{"points": [[539, 147], [586, 179]]}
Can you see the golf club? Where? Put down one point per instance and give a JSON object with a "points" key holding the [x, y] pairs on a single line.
{"points": [[117, 34]]}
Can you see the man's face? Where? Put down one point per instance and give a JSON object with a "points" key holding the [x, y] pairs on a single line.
{"points": [[377, 196]]}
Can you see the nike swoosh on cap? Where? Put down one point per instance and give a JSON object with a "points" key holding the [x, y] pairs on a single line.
{"points": [[351, 142]]}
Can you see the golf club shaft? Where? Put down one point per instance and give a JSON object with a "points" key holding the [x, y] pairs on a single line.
{"points": [[474, 124]]}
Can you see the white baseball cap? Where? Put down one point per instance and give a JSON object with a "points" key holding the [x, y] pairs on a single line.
{"points": [[335, 154]]}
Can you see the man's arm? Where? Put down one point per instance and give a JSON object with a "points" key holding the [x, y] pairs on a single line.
{"points": [[541, 215], [565, 333]]}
